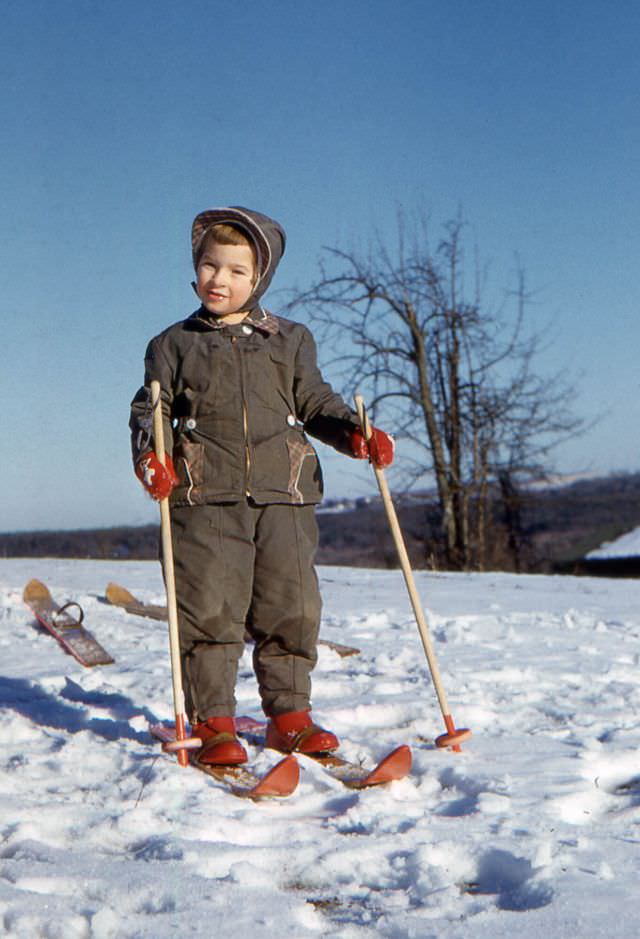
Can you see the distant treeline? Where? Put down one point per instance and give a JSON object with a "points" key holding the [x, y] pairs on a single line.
{"points": [[123, 542], [556, 528]]}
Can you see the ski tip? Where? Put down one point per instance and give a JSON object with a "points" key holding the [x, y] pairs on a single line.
{"points": [[281, 780], [116, 594], [35, 590], [396, 765]]}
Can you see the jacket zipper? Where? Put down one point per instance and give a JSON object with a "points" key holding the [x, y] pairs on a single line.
{"points": [[247, 452], [245, 420]]}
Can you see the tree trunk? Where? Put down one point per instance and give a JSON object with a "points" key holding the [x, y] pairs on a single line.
{"points": [[440, 467]]}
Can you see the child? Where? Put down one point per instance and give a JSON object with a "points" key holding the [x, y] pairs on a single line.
{"points": [[240, 390]]}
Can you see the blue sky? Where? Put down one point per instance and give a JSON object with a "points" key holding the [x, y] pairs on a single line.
{"points": [[121, 121]]}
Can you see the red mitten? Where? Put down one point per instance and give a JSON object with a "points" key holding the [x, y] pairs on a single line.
{"points": [[379, 448], [157, 479]]}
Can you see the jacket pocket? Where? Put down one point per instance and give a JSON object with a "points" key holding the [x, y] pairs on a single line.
{"points": [[305, 478], [188, 459]]}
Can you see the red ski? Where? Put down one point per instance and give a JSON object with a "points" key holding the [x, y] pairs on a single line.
{"points": [[65, 623], [278, 782], [395, 765]]}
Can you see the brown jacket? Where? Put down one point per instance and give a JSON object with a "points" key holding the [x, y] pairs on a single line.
{"points": [[238, 402]]}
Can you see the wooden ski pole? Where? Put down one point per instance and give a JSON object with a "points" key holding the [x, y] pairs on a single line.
{"points": [[182, 742], [453, 737]]}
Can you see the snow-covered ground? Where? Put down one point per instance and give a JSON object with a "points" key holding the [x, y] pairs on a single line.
{"points": [[626, 546], [533, 830]]}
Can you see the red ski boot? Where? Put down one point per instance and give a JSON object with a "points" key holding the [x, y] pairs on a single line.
{"points": [[220, 746], [295, 731]]}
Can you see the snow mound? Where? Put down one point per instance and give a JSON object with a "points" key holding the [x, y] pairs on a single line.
{"points": [[627, 546]]}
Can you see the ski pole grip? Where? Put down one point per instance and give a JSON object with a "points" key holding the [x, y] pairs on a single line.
{"points": [[365, 423]]}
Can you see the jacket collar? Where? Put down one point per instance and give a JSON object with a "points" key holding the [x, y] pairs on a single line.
{"points": [[258, 318]]}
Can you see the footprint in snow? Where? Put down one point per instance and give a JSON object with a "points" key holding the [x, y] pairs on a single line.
{"points": [[511, 879]]}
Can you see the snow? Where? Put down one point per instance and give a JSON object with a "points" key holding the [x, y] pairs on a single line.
{"points": [[533, 829], [626, 546]]}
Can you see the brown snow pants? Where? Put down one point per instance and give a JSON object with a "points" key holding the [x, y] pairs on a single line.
{"points": [[240, 566]]}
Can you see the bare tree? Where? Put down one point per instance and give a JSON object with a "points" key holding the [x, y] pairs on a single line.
{"points": [[411, 331]]}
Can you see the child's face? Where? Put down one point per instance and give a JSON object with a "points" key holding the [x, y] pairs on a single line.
{"points": [[225, 278]]}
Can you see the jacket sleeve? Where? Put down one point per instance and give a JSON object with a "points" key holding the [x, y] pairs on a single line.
{"points": [[156, 367], [324, 413]]}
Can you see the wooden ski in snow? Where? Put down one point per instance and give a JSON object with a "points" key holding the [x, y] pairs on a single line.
{"points": [[65, 623], [120, 596]]}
